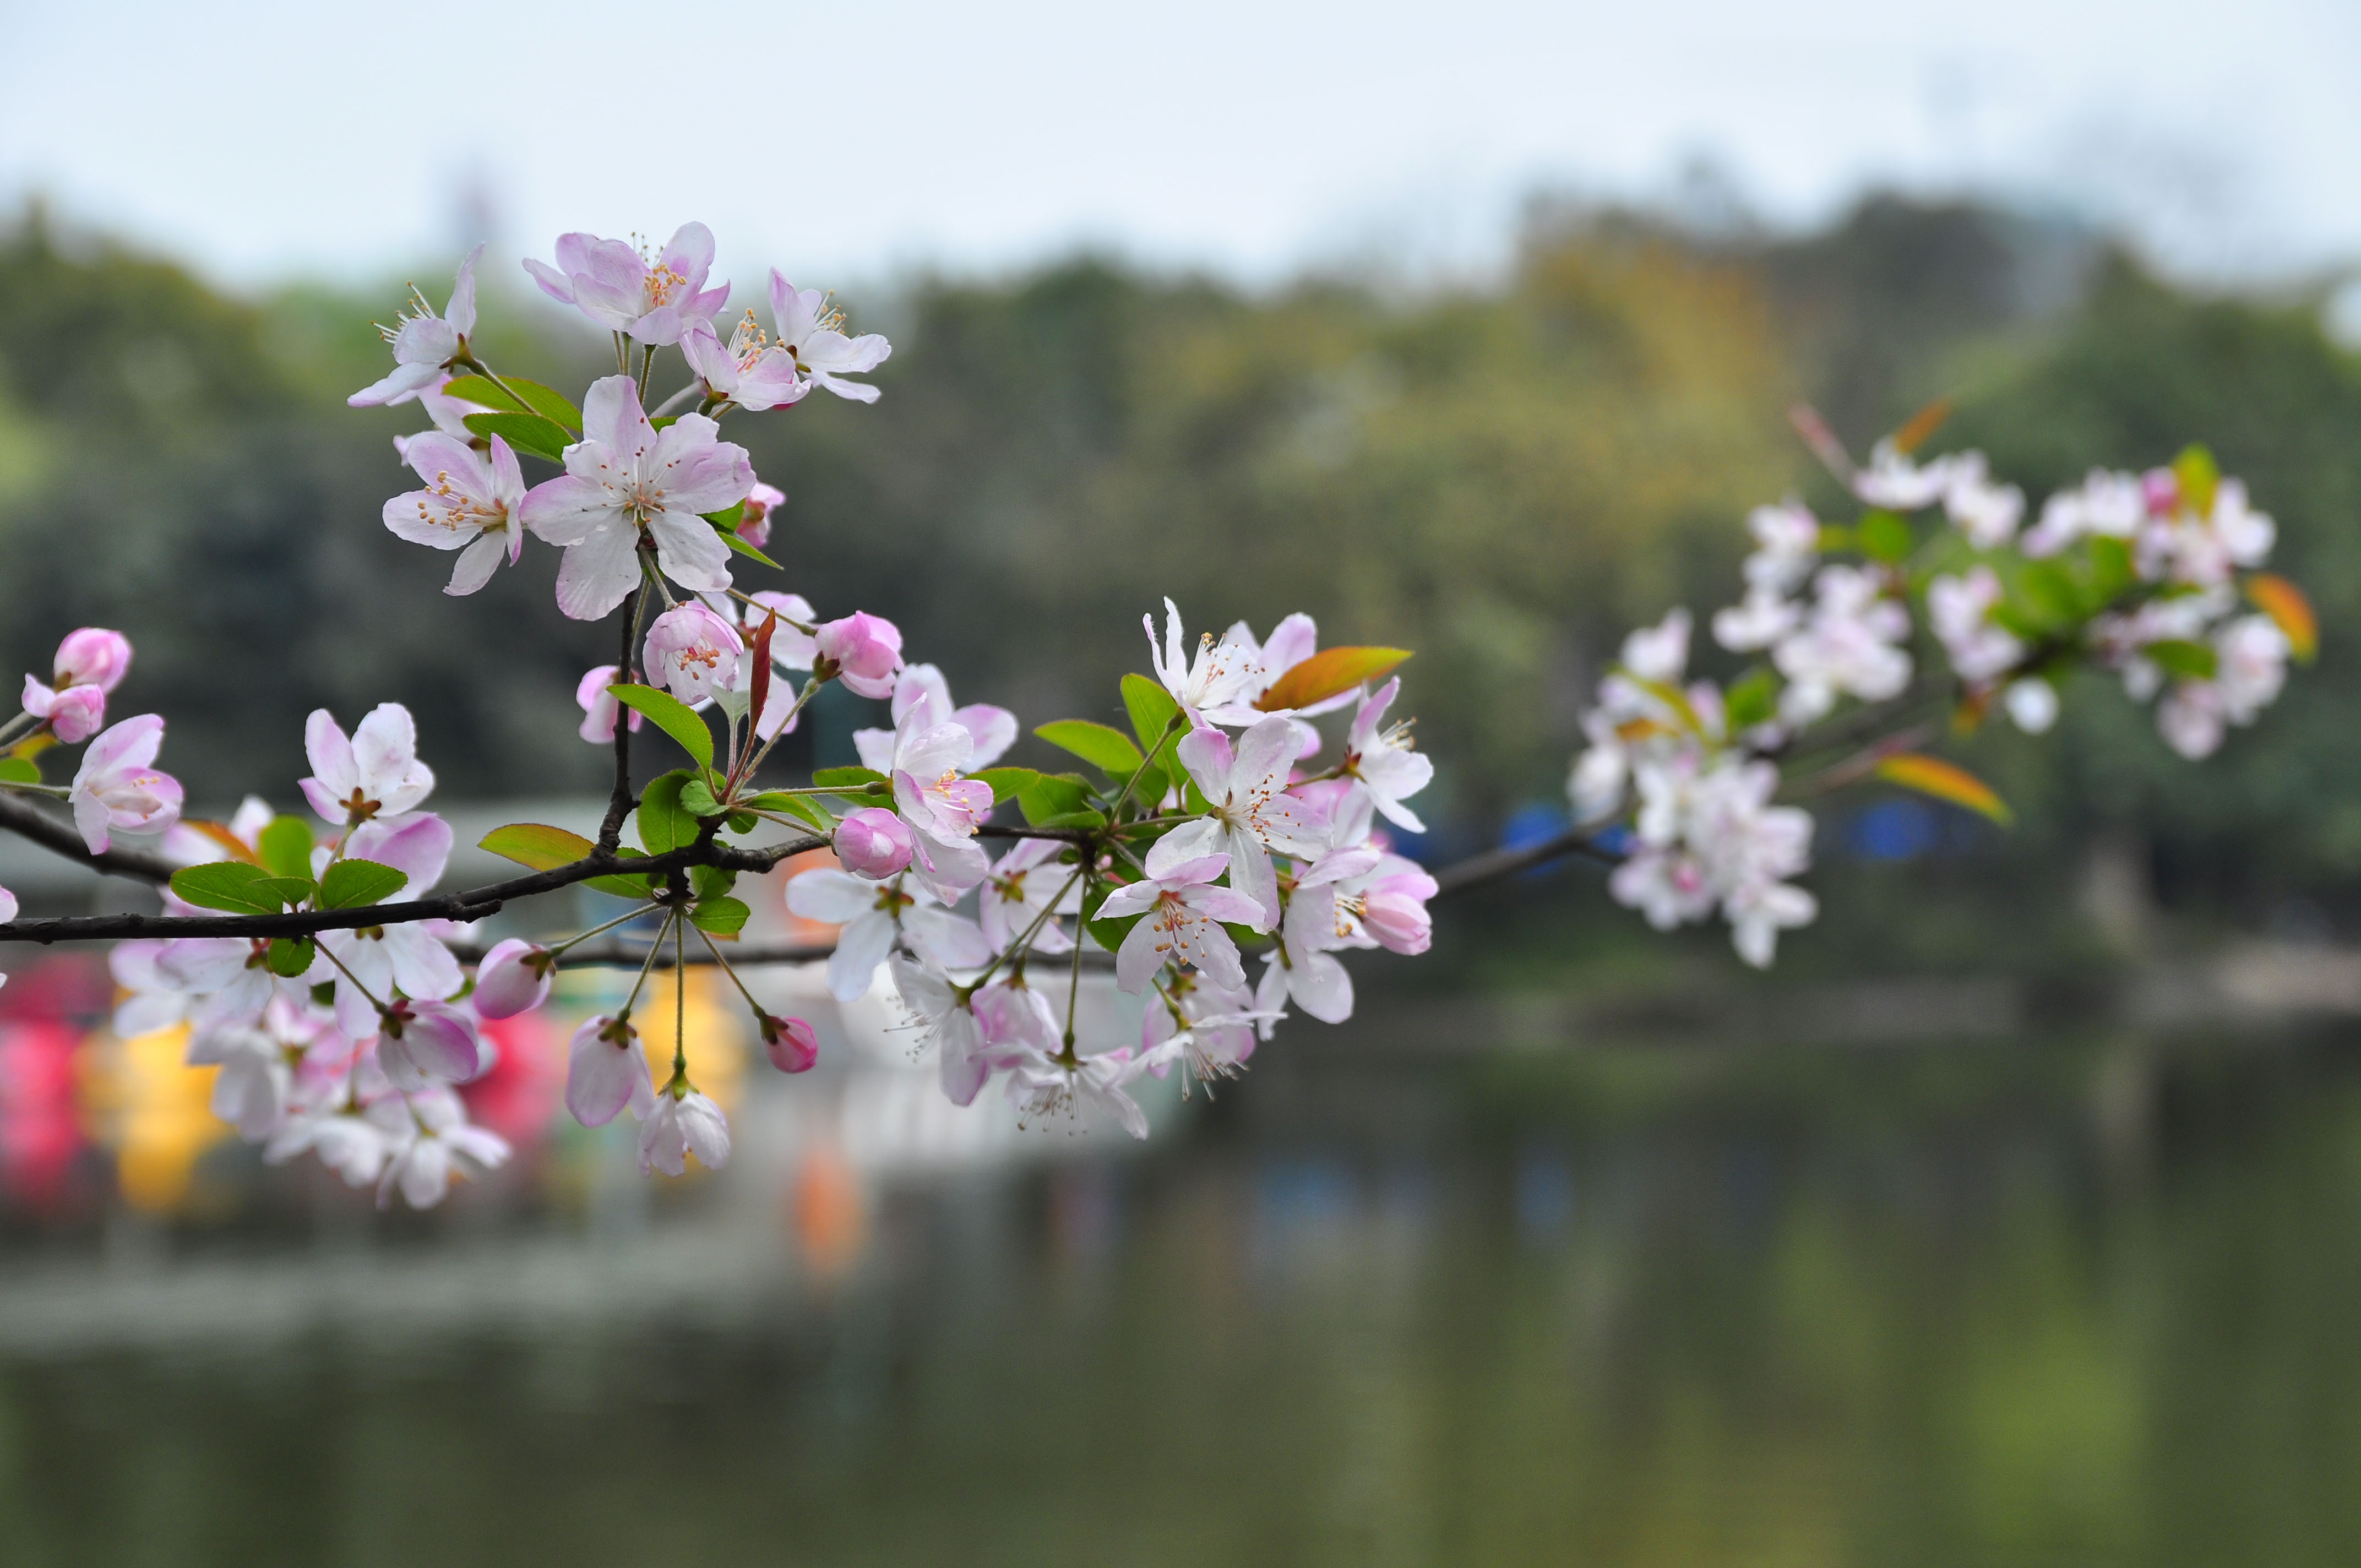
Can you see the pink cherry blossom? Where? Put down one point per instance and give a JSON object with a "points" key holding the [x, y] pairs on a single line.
{"points": [[1021, 885], [513, 977], [470, 504], [375, 773], [812, 331], [690, 651], [420, 1042], [599, 707], [1184, 917], [751, 370], [1216, 677], [873, 843], [434, 1142], [74, 714], [865, 651], [605, 1072], [627, 484], [425, 344], [416, 843], [93, 656], [993, 728], [1382, 760], [1251, 814], [117, 788], [371, 964], [652, 301]]}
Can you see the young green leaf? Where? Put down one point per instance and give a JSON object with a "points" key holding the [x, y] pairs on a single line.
{"points": [[1051, 794], [544, 848], [351, 885], [235, 887], [526, 432], [850, 780], [2190, 661], [1151, 707], [19, 770], [548, 402], [672, 716], [1084, 818], [2200, 477], [1944, 781], [697, 799], [1884, 536], [711, 882], [1751, 701], [743, 548], [1007, 784], [790, 805], [486, 393], [1328, 672], [663, 825], [719, 916], [290, 956], [728, 519], [285, 846], [1109, 751]]}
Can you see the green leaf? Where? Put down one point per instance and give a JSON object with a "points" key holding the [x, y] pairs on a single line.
{"points": [[2190, 661], [1084, 818], [711, 882], [1108, 934], [1110, 750], [1751, 701], [2200, 477], [290, 956], [852, 781], [2046, 594], [697, 799], [743, 548], [487, 392], [544, 848], [548, 402], [2110, 569], [239, 888], [728, 519], [19, 770], [672, 716], [1007, 784], [1883, 536], [1151, 707], [790, 805], [351, 885], [720, 916], [663, 825], [285, 846], [624, 884], [526, 432], [1051, 794], [1328, 672]]}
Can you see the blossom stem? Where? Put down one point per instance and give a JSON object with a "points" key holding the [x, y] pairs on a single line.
{"points": [[649, 963], [1172, 726], [22, 725], [55, 792], [1073, 998], [619, 804], [679, 989], [672, 402], [1023, 943], [810, 687], [747, 600], [489, 374], [559, 949], [707, 938], [382, 1010]]}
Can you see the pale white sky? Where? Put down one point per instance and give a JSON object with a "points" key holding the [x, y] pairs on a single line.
{"points": [[847, 142]]}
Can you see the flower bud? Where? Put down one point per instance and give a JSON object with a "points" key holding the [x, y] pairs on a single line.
{"points": [[78, 713], [690, 651], [874, 843], [792, 1045], [513, 977], [93, 657], [754, 524], [604, 1071], [866, 649]]}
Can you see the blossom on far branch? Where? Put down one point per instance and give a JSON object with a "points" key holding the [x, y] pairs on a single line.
{"points": [[628, 485], [90, 664], [374, 773], [600, 708], [117, 788], [811, 332], [425, 345]]}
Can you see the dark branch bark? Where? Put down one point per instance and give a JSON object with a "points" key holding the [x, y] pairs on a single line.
{"points": [[619, 804], [473, 904], [23, 818], [1494, 864]]}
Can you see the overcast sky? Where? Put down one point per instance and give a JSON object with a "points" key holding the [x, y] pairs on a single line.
{"points": [[851, 141]]}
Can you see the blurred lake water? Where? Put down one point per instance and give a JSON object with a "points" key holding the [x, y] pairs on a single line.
{"points": [[2086, 1301]]}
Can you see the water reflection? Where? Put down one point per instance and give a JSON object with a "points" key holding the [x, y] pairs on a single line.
{"points": [[2087, 1303]]}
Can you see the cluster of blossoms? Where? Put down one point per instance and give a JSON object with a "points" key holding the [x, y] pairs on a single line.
{"points": [[2142, 574], [1223, 824]]}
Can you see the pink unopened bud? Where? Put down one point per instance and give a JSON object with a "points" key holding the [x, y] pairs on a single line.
{"points": [[93, 657], [690, 651], [513, 977], [874, 843], [754, 524], [866, 649], [790, 1042], [78, 713]]}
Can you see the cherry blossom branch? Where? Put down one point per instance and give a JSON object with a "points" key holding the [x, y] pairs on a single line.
{"points": [[473, 904], [1494, 864], [29, 821], [619, 804]]}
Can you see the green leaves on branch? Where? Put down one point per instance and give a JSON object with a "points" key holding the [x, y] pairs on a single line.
{"points": [[540, 847], [547, 401], [2188, 660], [794, 806], [671, 715], [19, 770], [1151, 709], [290, 956], [1883, 536], [665, 824], [238, 889], [719, 916], [526, 432], [1059, 800], [1007, 784], [351, 885], [743, 548], [1751, 701], [1109, 751], [851, 780], [285, 847]]}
